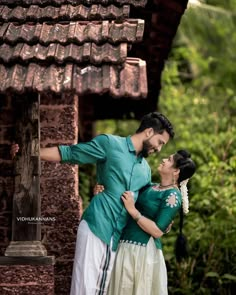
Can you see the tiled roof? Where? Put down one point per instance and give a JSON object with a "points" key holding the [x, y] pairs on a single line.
{"points": [[71, 45], [77, 32], [65, 12], [73, 2], [162, 18], [126, 81], [23, 53]]}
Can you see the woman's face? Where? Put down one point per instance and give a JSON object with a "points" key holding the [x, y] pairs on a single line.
{"points": [[167, 165]]}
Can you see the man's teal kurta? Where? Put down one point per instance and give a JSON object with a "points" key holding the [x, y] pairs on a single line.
{"points": [[119, 169]]}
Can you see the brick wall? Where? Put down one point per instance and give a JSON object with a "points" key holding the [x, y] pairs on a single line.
{"points": [[26, 279], [59, 186]]}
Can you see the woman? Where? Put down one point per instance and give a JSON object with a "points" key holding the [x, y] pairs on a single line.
{"points": [[140, 266]]}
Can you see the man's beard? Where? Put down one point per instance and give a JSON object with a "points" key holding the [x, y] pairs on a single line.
{"points": [[146, 148]]}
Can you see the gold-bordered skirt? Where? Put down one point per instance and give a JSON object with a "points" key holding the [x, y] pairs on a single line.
{"points": [[138, 270]]}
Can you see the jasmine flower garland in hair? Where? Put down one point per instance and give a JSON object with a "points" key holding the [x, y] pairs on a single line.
{"points": [[184, 193]]}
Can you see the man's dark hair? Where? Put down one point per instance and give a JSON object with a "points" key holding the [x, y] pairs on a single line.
{"points": [[158, 122]]}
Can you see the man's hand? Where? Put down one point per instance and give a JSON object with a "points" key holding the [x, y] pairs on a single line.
{"points": [[169, 227], [14, 150], [98, 189]]}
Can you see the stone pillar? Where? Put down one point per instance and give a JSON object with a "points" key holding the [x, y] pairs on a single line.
{"points": [[26, 227], [6, 169]]}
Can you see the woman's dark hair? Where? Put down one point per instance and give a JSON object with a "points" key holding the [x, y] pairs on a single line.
{"points": [[185, 164], [158, 122], [187, 167]]}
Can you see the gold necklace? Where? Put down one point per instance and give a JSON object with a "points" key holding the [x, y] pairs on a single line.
{"points": [[166, 186]]}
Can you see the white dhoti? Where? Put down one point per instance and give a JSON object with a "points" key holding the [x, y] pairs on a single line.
{"points": [[93, 263]]}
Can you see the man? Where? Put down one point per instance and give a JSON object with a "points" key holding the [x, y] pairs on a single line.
{"points": [[120, 167]]}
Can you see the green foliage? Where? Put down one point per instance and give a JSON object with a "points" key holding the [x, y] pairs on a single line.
{"points": [[87, 180], [119, 127]]}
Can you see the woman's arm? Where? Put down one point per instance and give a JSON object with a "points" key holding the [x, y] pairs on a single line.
{"points": [[146, 224]]}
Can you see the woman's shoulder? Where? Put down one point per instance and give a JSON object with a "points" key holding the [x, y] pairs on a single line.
{"points": [[172, 191]]}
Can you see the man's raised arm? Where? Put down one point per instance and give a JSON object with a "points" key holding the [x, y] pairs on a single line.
{"points": [[50, 154]]}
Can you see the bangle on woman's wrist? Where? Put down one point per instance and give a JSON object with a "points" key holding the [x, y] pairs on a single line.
{"points": [[138, 216]]}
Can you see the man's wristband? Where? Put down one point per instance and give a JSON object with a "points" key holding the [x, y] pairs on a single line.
{"points": [[138, 216]]}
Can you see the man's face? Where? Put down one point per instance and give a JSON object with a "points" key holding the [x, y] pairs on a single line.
{"points": [[154, 143]]}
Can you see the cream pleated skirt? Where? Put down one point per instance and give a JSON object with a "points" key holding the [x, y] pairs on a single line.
{"points": [[138, 270]]}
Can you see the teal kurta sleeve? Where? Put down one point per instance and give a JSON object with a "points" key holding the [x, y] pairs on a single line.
{"points": [[170, 206], [85, 153]]}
